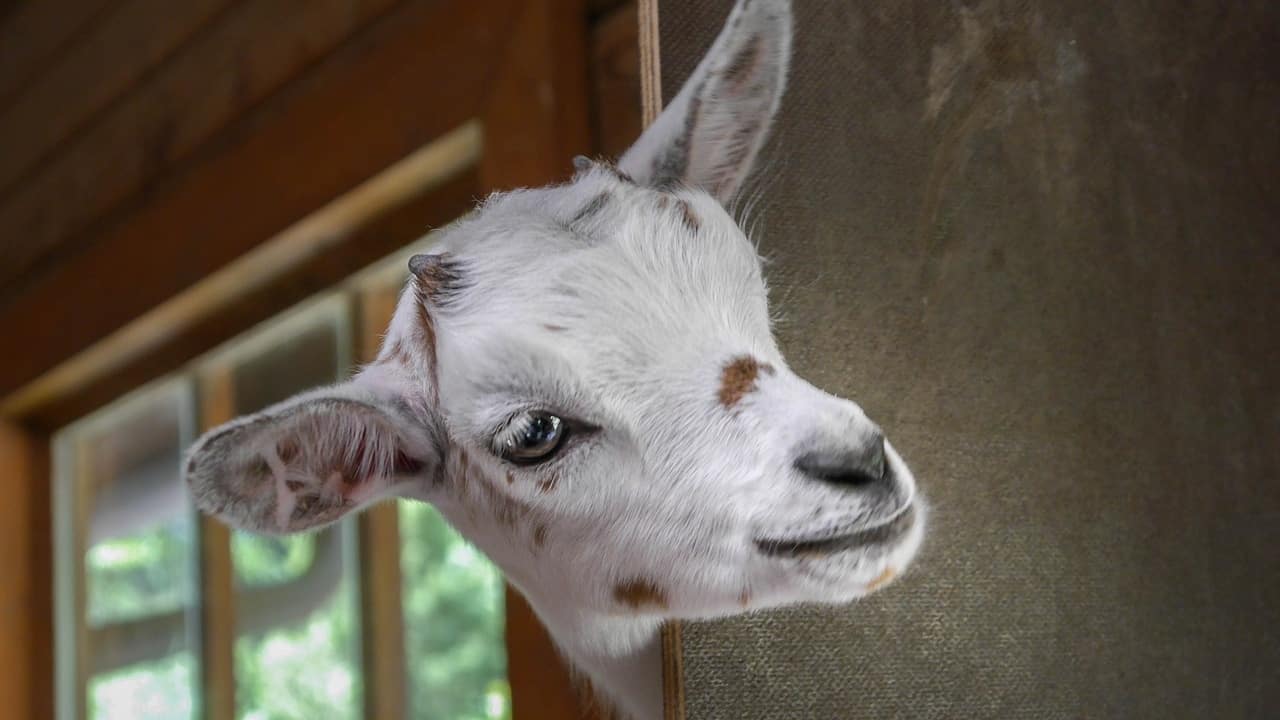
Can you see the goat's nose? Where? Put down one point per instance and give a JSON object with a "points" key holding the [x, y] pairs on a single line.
{"points": [[859, 467]]}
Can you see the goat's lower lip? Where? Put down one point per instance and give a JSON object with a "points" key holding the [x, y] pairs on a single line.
{"points": [[877, 535]]}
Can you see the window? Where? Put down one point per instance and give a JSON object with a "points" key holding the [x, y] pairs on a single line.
{"points": [[147, 583]]}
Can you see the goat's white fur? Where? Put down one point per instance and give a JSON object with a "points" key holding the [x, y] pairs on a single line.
{"points": [[622, 305]]}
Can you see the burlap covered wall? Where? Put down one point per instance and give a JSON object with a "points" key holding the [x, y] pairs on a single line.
{"points": [[1038, 241]]}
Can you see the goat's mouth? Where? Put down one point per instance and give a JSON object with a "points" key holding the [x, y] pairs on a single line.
{"points": [[878, 536]]}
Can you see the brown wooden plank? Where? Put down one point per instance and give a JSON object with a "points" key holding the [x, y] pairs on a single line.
{"points": [[358, 112], [535, 116], [34, 32], [535, 120], [26, 603], [541, 687], [250, 52], [382, 614], [615, 80], [672, 673], [650, 62], [84, 77], [599, 8], [217, 576]]}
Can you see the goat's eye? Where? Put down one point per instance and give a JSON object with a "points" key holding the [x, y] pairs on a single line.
{"points": [[534, 438]]}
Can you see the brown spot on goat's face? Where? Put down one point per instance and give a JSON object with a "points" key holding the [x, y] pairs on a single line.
{"points": [[639, 594], [691, 221], [436, 280], [539, 536], [881, 580], [548, 483], [739, 378]]}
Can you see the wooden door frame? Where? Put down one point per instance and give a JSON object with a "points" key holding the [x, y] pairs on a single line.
{"points": [[518, 67]]}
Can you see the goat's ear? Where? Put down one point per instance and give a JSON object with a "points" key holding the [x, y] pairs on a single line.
{"points": [[710, 134], [310, 460]]}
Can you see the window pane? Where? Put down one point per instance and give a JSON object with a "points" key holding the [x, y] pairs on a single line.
{"points": [[127, 561], [297, 643], [454, 622]]}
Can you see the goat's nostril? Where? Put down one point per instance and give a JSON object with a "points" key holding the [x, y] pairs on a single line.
{"points": [[854, 469]]}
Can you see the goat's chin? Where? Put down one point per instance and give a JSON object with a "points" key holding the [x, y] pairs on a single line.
{"points": [[841, 575]]}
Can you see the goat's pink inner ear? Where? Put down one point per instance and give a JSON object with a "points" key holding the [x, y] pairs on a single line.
{"points": [[302, 464]]}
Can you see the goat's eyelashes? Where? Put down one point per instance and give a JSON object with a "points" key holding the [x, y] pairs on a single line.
{"points": [[532, 437]]}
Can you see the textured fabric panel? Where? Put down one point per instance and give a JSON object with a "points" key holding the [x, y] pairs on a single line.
{"points": [[1038, 242]]}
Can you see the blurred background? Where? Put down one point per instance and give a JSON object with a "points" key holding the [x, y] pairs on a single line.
{"points": [[1036, 241]]}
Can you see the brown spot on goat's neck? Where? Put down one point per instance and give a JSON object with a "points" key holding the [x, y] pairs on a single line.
{"points": [[738, 378], [640, 594]]}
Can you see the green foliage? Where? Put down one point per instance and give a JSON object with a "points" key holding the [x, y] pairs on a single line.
{"points": [[311, 670], [139, 575], [160, 689], [453, 614], [133, 578], [453, 607]]}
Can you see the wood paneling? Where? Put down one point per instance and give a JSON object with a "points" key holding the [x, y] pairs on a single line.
{"points": [[615, 81], [217, 575], [83, 78], [34, 32], [26, 605], [249, 53], [358, 112], [535, 113], [381, 584]]}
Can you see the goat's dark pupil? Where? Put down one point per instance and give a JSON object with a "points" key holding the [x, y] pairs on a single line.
{"points": [[542, 431]]}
